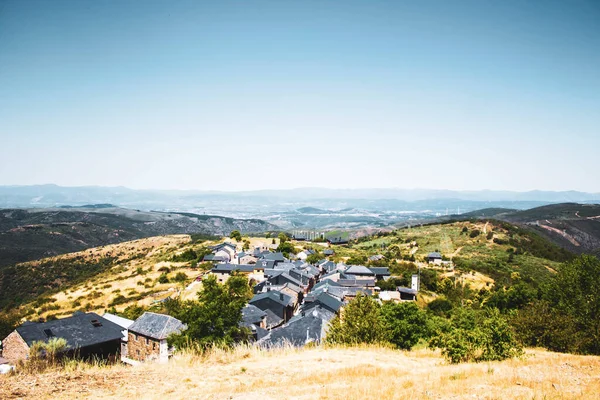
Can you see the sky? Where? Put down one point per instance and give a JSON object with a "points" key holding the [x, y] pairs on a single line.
{"points": [[243, 95]]}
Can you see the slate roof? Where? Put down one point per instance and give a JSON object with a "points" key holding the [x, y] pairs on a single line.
{"points": [[274, 256], [212, 257], [286, 266], [273, 319], [228, 268], [252, 314], [356, 282], [359, 270], [224, 244], [407, 290], [157, 326], [380, 270], [297, 333], [434, 254], [327, 266], [326, 300], [270, 264], [274, 295], [80, 330], [328, 252]]}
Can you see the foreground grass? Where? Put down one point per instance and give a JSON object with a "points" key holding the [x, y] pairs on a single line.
{"points": [[332, 373]]}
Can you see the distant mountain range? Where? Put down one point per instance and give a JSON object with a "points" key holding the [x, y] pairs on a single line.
{"points": [[304, 208], [29, 234], [53, 195]]}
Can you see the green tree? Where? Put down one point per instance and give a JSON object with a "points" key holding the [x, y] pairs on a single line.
{"points": [[575, 292], [246, 245], [282, 237], [314, 258], [215, 317], [359, 322], [236, 235], [477, 336], [286, 248], [404, 324]]}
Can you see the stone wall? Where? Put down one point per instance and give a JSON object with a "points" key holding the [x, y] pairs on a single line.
{"points": [[15, 348], [142, 348]]}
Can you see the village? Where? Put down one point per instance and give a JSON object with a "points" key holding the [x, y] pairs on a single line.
{"points": [[293, 302]]}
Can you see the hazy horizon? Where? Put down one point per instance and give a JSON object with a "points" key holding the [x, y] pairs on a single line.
{"points": [[231, 96]]}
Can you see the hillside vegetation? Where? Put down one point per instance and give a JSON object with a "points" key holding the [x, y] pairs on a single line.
{"points": [[30, 234], [573, 226], [325, 373]]}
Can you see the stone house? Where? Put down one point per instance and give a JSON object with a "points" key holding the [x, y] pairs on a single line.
{"points": [[87, 335], [147, 338]]}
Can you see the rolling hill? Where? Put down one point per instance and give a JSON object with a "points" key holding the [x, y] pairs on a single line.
{"points": [[573, 226], [30, 234]]}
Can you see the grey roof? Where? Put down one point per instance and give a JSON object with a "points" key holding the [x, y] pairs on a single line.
{"points": [[212, 257], [80, 330], [274, 295], [434, 254], [224, 244], [356, 282], [273, 319], [266, 263], [286, 266], [359, 270], [326, 300], [227, 267], [252, 314], [157, 326], [407, 290], [297, 333], [274, 257], [328, 252], [317, 311], [380, 270]]}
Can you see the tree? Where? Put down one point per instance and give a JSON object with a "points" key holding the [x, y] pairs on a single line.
{"points": [[215, 317], [286, 248], [575, 292], [282, 237], [404, 324], [246, 245], [477, 336], [236, 235], [314, 258], [358, 322]]}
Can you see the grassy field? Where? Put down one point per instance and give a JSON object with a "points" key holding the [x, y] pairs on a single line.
{"points": [[319, 373]]}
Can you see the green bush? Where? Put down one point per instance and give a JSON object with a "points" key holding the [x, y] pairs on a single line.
{"points": [[163, 278], [404, 324], [475, 337], [359, 322]]}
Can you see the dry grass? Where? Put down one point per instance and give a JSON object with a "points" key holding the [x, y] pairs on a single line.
{"points": [[333, 373]]}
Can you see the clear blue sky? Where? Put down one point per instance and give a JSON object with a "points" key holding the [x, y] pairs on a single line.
{"points": [[236, 95]]}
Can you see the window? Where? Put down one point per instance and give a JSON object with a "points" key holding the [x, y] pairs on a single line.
{"points": [[135, 337], [138, 352], [147, 341]]}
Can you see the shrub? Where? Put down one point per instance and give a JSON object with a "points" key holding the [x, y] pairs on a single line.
{"points": [[180, 277], [404, 324], [474, 233], [477, 337], [163, 278], [358, 322]]}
